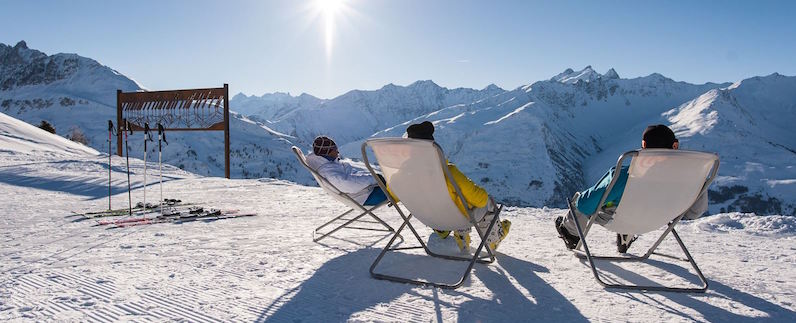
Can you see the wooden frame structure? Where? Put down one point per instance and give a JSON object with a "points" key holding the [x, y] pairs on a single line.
{"points": [[177, 110]]}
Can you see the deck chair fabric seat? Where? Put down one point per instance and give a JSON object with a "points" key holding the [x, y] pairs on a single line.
{"points": [[416, 172], [344, 198], [412, 167], [662, 185]]}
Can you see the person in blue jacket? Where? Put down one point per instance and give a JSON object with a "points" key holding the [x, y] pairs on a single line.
{"points": [[655, 136]]}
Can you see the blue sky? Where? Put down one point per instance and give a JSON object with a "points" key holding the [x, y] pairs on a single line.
{"points": [[267, 46]]}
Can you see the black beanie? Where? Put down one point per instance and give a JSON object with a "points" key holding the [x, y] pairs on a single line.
{"points": [[659, 136], [323, 145], [423, 130]]}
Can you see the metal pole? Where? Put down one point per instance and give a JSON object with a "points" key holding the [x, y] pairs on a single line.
{"points": [[161, 138], [127, 153], [119, 122], [110, 132], [226, 130], [146, 134]]}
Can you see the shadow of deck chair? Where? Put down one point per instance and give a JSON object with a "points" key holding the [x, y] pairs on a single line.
{"points": [[416, 172], [346, 200], [662, 185]]}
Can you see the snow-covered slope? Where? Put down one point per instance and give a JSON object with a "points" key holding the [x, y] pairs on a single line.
{"points": [[750, 124], [534, 145], [18, 137], [266, 267]]}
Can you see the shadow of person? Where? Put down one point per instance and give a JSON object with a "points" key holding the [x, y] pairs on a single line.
{"points": [[761, 309], [509, 304], [339, 288]]}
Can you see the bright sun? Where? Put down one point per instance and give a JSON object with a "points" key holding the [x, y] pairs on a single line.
{"points": [[330, 9]]}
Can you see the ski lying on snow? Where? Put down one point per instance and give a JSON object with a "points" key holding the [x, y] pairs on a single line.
{"points": [[174, 213], [125, 211], [182, 218]]}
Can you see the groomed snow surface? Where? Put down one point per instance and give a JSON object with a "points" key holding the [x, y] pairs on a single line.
{"points": [[266, 268]]}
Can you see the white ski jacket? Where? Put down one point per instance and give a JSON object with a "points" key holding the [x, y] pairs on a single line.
{"points": [[356, 182]]}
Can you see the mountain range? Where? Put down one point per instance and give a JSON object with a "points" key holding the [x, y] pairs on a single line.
{"points": [[534, 145]]}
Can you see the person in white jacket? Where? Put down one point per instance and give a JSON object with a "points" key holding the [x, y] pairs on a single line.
{"points": [[354, 181]]}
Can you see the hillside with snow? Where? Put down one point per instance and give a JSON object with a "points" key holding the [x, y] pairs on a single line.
{"points": [[22, 138], [266, 267], [539, 143], [531, 146]]}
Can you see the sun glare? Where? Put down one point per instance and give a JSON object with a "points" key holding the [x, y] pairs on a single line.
{"points": [[329, 9], [329, 6]]}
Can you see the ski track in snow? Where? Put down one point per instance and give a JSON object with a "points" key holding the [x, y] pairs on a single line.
{"points": [[266, 268]]}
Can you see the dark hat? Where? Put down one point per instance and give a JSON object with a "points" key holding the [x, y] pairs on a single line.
{"points": [[323, 145], [659, 136], [423, 130]]}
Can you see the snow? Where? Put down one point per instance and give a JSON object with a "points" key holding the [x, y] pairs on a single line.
{"points": [[586, 74], [518, 110], [266, 268], [19, 137], [773, 225]]}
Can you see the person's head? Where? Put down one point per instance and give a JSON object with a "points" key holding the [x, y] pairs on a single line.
{"points": [[325, 146], [659, 136], [423, 130]]}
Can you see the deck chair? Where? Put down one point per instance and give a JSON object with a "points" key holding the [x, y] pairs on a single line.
{"points": [[349, 223], [415, 170], [662, 185]]}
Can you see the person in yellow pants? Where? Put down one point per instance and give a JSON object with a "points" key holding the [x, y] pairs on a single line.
{"points": [[484, 207]]}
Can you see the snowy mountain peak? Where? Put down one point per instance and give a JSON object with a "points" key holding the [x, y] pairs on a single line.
{"points": [[424, 84], [611, 74], [17, 55], [21, 45], [21, 67], [492, 87], [569, 76]]}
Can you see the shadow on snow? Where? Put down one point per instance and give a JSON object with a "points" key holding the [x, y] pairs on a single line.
{"points": [[342, 287]]}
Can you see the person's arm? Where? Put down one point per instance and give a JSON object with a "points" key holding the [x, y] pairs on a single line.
{"points": [[344, 178], [473, 194]]}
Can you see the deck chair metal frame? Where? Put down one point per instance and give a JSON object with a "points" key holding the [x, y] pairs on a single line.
{"points": [[583, 232], [489, 257], [342, 197]]}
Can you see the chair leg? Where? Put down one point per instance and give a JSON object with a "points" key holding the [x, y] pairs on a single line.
{"points": [[472, 260], [346, 224], [591, 258], [369, 212]]}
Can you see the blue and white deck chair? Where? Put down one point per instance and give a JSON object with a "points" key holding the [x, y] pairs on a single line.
{"points": [[348, 223], [415, 170], [662, 185]]}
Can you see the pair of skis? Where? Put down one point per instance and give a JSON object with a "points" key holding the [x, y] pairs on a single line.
{"points": [[147, 137], [138, 209], [179, 217]]}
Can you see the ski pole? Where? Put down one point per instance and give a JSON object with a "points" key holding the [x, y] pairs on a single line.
{"points": [[127, 153], [147, 137], [161, 137], [110, 135]]}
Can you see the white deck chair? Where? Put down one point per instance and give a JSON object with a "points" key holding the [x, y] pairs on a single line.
{"points": [[415, 171], [662, 185], [345, 199]]}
